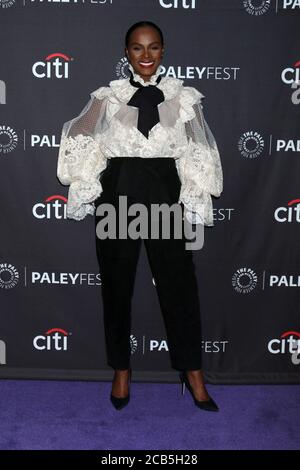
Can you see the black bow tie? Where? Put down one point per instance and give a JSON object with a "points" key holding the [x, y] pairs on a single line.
{"points": [[146, 99]]}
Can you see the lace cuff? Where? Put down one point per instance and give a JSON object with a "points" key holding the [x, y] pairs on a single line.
{"points": [[198, 205], [80, 199]]}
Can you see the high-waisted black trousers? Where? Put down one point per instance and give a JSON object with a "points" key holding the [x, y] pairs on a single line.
{"points": [[147, 180]]}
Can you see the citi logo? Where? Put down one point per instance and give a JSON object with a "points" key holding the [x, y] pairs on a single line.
{"points": [[55, 65], [289, 342], [53, 207], [289, 75], [290, 213], [178, 4], [54, 339]]}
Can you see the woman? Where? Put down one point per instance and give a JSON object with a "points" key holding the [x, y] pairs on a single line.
{"points": [[145, 137]]}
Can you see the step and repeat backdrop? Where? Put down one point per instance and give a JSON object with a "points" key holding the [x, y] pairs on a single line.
{"points": [[244, 56]]}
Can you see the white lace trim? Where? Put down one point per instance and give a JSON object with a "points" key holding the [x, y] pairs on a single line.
{"points": [[123, 89], [137, 77], [80, 199], [80, 164], [188, 97], [101, 92]]}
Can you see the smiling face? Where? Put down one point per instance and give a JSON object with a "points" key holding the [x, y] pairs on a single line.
{"points": [[144, 51]]}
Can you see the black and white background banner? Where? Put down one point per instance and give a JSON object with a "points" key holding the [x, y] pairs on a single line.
{"points": [[244, 56]]}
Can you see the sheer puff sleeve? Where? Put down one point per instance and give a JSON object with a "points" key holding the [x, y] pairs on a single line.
{"points": [[80, 160], [200, 169]]}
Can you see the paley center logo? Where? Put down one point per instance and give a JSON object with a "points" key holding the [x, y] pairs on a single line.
{"points": [[133, 344], [9, 276], [8, 139], [244, 280], [289, 213], [54, 65], [289, 342], [54, 339], [251, 144], [53, 207], [258, 8]]}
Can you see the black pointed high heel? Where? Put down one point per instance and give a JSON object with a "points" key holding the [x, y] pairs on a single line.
{"points": [[208, 405], [118, 402]]}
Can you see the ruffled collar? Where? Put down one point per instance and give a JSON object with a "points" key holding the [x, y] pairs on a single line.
{"points": [[123, 89], [153, 78]]}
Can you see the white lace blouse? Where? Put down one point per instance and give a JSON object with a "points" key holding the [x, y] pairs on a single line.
{"points": [[107, 128]]}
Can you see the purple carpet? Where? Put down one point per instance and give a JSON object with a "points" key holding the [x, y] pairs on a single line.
{"points": [[79, 415]]}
